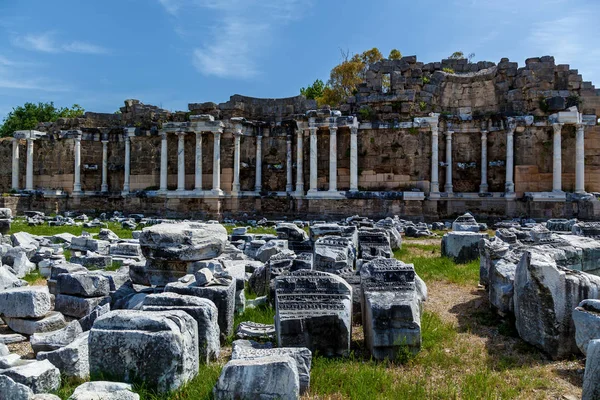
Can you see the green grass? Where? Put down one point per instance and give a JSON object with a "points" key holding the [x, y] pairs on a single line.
{"points": [[35, 278], [430, 265], [20, 225]]}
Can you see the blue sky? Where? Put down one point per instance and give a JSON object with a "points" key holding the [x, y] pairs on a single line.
{"points": [[174, 52]]}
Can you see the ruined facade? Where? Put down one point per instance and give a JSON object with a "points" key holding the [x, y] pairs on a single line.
{"points": [[416, 139]]}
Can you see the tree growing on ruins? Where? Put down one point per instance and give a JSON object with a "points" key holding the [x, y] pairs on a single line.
{"points": [[30, 114], [313, 91], [395, 54]]}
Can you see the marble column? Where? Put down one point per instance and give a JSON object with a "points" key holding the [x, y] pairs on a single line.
{"points": [[557, 159], [354, 159], [180, 161], [258, 178], [15, 164], [509, 186], [198, 164], [164, 163], [288, 156], [580, 159], [483, 187], [77, 171], [104, 186], [29, 170], [127, 162], [217, 164], [448, 185], [299, 162], [434, 186], [333, 159], [237, 136], [313, 160]]}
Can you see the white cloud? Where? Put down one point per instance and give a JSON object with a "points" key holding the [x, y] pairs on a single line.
{"points": [[234, 44], [47, 43]]}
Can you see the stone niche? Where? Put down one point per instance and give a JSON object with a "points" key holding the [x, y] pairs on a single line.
{"points": [[314, 310]]}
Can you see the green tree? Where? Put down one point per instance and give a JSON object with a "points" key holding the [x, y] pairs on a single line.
{"points": [[314, 91], [30, 114], [457, 55], [395, 54]]}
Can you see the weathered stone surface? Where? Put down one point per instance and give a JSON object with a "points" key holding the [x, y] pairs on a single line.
{"points": [[101, 390], [10, 360], [273, 377], [8, 280], [66, 268], [121, 344], [465, 223], [72, 359], [314, 310], [87, 321], [78, 307], [84, 284], [25, 302], [255, 331], [53, 340], [202, 310], [334, 254], [301, 355], [39, 376], [107, 234], [186, 241], [25, 240], [12, 338], [392, 296], [222, 296], [586, 317], [9, 389], [290, 232], [373, 243], [545, 295], [50, 322], [269, 249], [93, 260], [591, 377], [21, 264], [462, 246], [320, 230], [4, 350]]}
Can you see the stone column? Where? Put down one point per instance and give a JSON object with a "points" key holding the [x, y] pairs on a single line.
{"points": [[217, 164], [127, 161], [29, 170], [180, 161], [434, 186], [198, 165], [448, 185], [258, 179], [235, 188], [557, 159], [164, 163], [104, 186], [77, 172], [313, 160], [15, 164], [289, 187], [333, 159], [580, 160], [354, 159], [510, 160], [483, 187], [299, 163]]}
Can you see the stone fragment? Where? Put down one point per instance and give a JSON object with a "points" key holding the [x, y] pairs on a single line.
{"points": [[545, 296], [269, 249], [8, 280], [334, 254], [591, 377], [301, 355], [373, 243], [462, 246], [101, 390], [272, 377], [465, 223], [586, 317], [10, 360], [83, 284], [50, 322], [4, 350], [25, 302], [39, 376], [314, 310], [255, 331], [87, 321], [93, 260], [12, 338], [107, 234], [53, 340], [202, 310], [21, 265], [222, 296], [72, 359], [78, 307], [66, 268], [392, 296], [290, 232], [158, 348], [320, 230], [11, 390]]}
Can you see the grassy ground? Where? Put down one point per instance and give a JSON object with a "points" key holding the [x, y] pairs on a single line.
{"points": [[467, 351], [20, 225]]}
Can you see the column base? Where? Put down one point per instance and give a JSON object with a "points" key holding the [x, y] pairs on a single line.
{"points": [[434, 195], [483, 188], [125, 193], [76, 193], [235, 193], [180, 190], [510, 195], [161, 192], [289, 188], [217, 192], [104, 188]]}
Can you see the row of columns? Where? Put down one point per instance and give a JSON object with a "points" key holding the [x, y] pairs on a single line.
{"points": [[509, 180]]}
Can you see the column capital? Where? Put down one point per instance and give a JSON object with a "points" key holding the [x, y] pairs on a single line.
{"points": [[313, 130], [580, 126], [557, 127], [104, 141], [163, 134], [435, 129], [484, 135], [448, 135], [198, 134], [181, 134], [333, 128], [354, 130], [128, 132], [237, 133]]}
